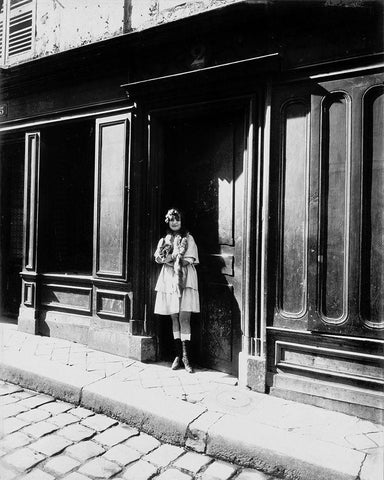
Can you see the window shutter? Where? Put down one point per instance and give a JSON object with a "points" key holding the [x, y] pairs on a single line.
{"points": [[2, 36], [20, 27]]}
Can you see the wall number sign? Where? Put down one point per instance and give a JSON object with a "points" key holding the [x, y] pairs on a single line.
{"points": [[3, 109]]}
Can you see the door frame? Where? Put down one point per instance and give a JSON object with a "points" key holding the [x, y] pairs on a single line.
{"points": [[250, 199]]}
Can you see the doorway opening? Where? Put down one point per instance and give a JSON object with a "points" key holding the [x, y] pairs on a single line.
{"points": [[201, 171], [11, 222]]}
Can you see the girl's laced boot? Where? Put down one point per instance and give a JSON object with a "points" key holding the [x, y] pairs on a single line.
{"points": [[176, 364], [187, 365]]}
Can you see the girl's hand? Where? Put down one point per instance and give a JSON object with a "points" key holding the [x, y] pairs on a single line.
{"points": [[168, 259]]}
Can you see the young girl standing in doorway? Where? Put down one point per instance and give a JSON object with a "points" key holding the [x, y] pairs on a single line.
{"points": [[177, 288]]}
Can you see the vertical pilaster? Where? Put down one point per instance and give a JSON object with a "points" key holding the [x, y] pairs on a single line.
{"points": [[28, 318]]}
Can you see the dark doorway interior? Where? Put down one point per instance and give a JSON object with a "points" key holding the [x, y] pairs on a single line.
{"points": [[11, 208], [67, 177], [202, 175]]}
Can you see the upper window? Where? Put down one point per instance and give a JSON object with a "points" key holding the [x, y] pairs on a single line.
{"points": [[17, 26]]}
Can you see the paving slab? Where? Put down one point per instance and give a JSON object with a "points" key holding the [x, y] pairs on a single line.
{"points": [[98, 422], [85, 450], [198, 430], [61, 464], [140, 471], [143, 443], [6, 389], [12, 424], [76, 476], [192, 461], [57, 407], [115, 435], [33, 416], [37, 474], [6, 473], [280, 452], [164, 455], [165, 417], [218, 470], [13, 441], [64, 382], [23, 459], [81, 412], [77, 432], [50, 445], [173, 474], [12, 410], [122, 454], [373, 466], [37, 430], [100, 468]]}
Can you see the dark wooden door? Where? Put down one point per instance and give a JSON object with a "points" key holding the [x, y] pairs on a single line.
{"points": [[327, 224], [325, 244], [203, 174]]}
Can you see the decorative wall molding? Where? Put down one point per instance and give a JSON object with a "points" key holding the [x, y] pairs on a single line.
{"points": [[66, 297], [113, 304]]}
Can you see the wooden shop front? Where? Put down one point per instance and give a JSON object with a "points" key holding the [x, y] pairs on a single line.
{"points": [[263, 122]]}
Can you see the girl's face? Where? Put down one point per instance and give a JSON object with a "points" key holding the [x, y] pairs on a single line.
{"points": [[174, 224]]}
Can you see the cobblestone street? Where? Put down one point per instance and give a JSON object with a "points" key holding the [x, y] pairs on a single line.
{"points": [[46, 439]]}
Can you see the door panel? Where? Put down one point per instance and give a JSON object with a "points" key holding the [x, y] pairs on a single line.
{"points": [[292, 283], [203, 175], [289, 207], [216, 335], [372, 262], [112, 183], [334, 209], [326, 207]]}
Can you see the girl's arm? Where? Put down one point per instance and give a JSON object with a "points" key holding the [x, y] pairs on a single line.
{"points": [[191, 255]]}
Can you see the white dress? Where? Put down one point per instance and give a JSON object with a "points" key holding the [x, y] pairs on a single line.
{"points": [[168, 300]]}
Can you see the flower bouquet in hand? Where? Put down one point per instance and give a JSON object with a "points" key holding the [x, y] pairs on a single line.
{"points": [[166, 247]]}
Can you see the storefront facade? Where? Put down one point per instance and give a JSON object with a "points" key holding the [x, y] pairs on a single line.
{"points": [[263, 122]]}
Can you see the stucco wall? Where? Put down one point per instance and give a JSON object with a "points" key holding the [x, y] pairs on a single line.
{"points": [[146, 13], [65, 24]]}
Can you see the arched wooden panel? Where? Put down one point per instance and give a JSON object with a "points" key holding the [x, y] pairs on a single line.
{"points": [[292, 283], [334, 212], [372, 257]]}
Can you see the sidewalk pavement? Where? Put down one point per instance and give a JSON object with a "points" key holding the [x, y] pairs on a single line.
{"points": [[205, 412]]}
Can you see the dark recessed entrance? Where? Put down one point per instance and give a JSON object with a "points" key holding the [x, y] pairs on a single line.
{"points": [[201, 171], [11, 222]]}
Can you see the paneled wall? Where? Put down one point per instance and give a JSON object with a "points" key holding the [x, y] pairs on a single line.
{"points": [[327, 227]]}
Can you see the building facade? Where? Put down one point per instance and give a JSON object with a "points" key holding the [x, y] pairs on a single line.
{"points": [[263, 121]]}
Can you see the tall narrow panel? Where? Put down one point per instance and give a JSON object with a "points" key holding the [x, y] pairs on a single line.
{"points": [[373, 211], [32, 147], [293, 256], [223, 158], [334, 211], [111, 198]]}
